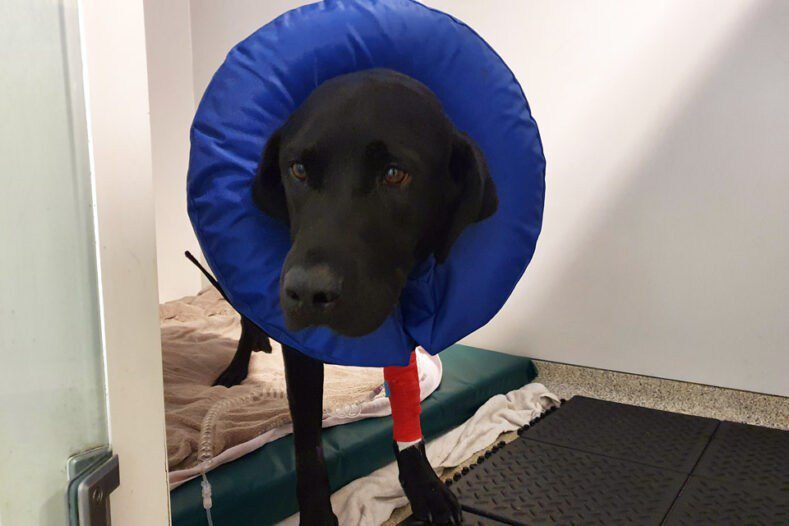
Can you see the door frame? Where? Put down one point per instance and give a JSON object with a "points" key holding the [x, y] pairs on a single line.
{"points": [[116, 91]]}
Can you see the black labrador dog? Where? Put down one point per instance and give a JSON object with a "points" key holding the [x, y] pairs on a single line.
{"points": [[371, 177]]}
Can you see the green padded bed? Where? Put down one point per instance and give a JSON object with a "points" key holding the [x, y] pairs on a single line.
{"points": [[260, 488]]}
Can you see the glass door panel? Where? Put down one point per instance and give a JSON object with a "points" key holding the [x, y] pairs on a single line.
{"points": [[52, 393]]}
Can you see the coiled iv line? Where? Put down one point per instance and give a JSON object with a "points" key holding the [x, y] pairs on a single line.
{"points": [[205, 451]]}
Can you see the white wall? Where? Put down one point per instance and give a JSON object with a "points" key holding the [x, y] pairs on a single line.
{"points": [[665, 248], [172, 101]]}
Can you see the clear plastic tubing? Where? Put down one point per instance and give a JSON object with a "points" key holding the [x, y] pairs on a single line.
{"points": [[205, 451]]}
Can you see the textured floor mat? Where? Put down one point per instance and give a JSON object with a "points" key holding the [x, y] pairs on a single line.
{"points": [[528, 482], [711, 501], [742, 478], [658, 438], [595, 462], [470, 519], [752, 455]]}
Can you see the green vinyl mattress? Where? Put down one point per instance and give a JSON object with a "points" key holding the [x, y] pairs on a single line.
{"points": [[260, 488]]}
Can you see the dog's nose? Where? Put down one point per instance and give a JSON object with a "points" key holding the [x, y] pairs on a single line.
{"points": [[315, 288]]}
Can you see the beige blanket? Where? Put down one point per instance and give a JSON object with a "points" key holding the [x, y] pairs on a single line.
{"points": [[199, 336]]}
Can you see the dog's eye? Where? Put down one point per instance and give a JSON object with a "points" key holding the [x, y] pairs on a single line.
{"points": [[396, 176], [298, 171]]}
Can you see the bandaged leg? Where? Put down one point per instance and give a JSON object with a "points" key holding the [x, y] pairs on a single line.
{"points": [[404, 397]]}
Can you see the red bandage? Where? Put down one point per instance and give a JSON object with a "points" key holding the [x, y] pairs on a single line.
{"points": [[404, 398]]}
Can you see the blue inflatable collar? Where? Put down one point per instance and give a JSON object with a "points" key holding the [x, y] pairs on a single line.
{"points": [[266, 77]]}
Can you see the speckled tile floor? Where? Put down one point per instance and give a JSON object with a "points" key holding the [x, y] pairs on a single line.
{"points": [[669, 395]]}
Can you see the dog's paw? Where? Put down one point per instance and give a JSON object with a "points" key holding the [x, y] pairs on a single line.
{"points": [[432, 502], [261, 343], [436, 505], [231, 376]]}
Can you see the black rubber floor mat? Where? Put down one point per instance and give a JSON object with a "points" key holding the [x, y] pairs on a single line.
{"points": [[752, 455], [658, 438], [742, 478], [470, 519], [711, 501], [528, 482], [595, 462]]}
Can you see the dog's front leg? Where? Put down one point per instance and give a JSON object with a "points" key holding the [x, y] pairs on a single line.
{"points": [[304, 378], [431, 500]]}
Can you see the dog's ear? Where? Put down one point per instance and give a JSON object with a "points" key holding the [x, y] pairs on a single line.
{"points": [[475, 197], [267, 190]]}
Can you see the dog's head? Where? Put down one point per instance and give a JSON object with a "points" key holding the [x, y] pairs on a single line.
{"points": [[371, 177]]}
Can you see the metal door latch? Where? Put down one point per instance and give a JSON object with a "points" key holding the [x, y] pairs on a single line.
{"points": [[89, 491]]}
